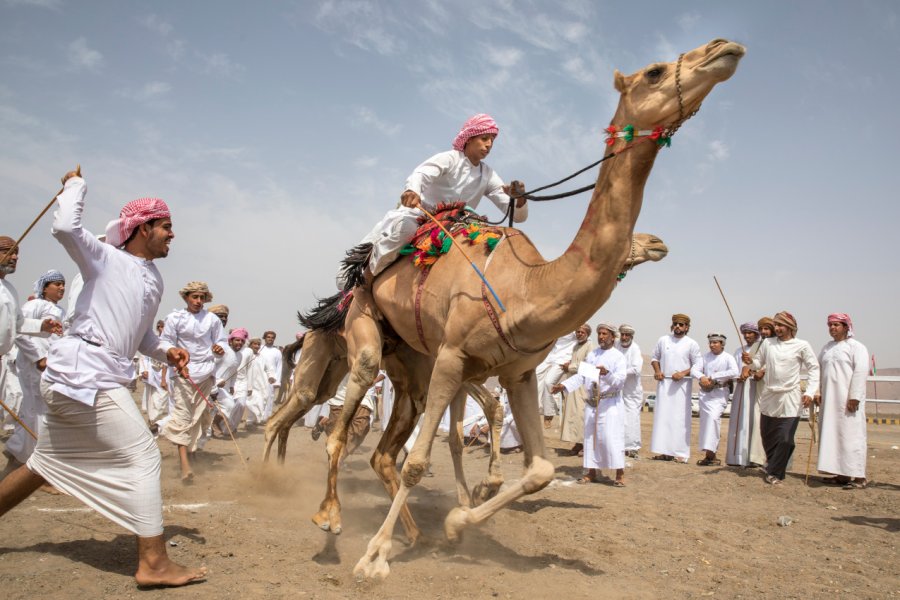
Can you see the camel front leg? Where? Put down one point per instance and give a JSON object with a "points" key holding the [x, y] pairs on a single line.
{"points": [[444, 385], [493, 411], [539, 471]]}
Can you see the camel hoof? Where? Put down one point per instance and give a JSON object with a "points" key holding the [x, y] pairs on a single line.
{"points": [[455, 522], [484, 492], [374, 565]]}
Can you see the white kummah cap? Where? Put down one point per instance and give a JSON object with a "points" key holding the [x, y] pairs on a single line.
{"points": [[609, 327], [716, 337]]}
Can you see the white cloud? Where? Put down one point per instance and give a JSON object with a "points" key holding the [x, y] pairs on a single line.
{"points": [[220, 64], [153, 93], [54, 4], [503, 57], [81, 56], [718, 150], [366, 162], [156, 25], [366, 116], [687, 21], [366, 25]]}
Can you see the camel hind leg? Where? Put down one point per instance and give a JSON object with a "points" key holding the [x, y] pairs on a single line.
{"points": [[493, 410], [322, 353], [538, 470], [408, 371], [362, 334]]}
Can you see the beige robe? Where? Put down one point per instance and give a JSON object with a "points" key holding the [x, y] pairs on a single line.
{"points": [[572, 429]]}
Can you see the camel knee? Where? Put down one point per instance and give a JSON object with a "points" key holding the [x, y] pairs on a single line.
{"points": [[538, 476], [412, 473]]}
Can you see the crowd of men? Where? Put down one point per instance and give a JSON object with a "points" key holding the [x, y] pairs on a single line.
{"points": [[603, 399]]}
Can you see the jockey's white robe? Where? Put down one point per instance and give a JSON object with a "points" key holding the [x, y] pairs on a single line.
{"points": [[721, 368], [672, 413], [744, 442], [445, 177], [96, 445], [632, 395], [604, 424], [256, 388], [842, 443], [31, 350]]}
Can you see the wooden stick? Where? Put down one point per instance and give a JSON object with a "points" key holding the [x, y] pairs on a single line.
{"points": [[38, 218], [812, 438], [213, 403], [18, 420], [460, 248], [743, 349]]}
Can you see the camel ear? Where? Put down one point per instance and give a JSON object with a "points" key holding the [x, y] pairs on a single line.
{"points": [[619, 81]]}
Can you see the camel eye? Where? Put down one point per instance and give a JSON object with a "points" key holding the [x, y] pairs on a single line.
{"points": [[654, 74]]}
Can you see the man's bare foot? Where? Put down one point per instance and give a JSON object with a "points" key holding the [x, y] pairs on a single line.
{"points": [[187, 478], [170, 574], [49, 489]]}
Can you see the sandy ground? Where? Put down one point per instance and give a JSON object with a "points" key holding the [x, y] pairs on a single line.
{"points": [[676, 530]]}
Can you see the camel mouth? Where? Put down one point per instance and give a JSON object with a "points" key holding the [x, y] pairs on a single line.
{"points": [[725, 59]]}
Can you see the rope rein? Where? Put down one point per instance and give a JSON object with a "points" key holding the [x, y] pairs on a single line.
{"points": [[661, 135]]}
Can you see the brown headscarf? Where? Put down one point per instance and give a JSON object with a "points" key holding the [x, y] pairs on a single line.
{"points": [[196, 286], [766, 322], [681, 317], [787, 320]]}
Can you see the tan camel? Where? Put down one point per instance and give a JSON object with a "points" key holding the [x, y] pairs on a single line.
{"points": [[323, 365], [543, 299]]}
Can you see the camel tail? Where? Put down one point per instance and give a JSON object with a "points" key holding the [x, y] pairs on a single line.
{"points": [[353, 267], [287, 355], [328, 314]]}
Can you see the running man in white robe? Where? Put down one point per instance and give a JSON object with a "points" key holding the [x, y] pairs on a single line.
{"points": [[572, 417], [744, 442], [633, 392], [715, 376], [271, 361], [673, 359], [96, 445], [202, 335], [457, 175], [256, 385], [12, 324], [31, 362], [229, 406], [842, 425], [549, 373], [604, 416], [779, 360]]}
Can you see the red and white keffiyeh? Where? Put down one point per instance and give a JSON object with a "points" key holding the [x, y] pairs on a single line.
{"points": [[137, 212], [476, 125]]}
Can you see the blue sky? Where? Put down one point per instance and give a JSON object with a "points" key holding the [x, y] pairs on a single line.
{"points": [[280, 132]]}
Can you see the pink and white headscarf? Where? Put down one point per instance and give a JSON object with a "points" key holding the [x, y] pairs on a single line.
{"points": [[239, 333], [477, 125], [842, 318], [137, 212]]}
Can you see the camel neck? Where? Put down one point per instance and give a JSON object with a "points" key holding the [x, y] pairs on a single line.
{"points": [[585, 275]]}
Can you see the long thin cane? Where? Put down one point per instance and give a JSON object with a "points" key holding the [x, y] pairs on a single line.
{"points": [[460, 248], [38, 218], [812, 439], [18, 420], [743, 349], [213, 403]]}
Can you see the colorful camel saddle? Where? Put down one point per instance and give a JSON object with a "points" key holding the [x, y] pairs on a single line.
{"points": [[430, 242]]}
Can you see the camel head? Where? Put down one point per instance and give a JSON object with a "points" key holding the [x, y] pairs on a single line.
{"points": [[650, 97], [645, 247]]}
